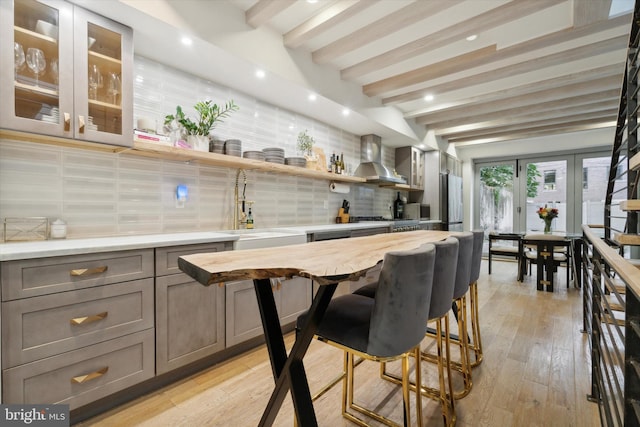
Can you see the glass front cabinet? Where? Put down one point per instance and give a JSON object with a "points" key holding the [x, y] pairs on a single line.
{"points": [[71, 75]]}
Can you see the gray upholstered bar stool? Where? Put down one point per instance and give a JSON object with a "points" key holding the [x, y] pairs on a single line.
{"points": [[475, 344], [459, 305], [388, 327], [441, 297]]}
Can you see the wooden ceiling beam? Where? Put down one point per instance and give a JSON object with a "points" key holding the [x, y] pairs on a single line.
{"points": [[323, 21], [558, 58], [408, 15], [580, 119], [601, 78], [500, 15], [430, 72], [441, 69], [261, 12], [532, 118], [578, 92], [587, 12], [569, 128]]}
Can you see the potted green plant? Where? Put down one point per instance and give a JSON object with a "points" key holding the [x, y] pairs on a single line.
{"points": [[305, 144], [197, 131]]}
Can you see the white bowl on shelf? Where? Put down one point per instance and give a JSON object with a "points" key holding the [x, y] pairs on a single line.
{"points": [[90, 42], [47, 29]]}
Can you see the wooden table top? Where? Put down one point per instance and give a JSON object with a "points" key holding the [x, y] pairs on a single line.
{"points": [[325, 262]]}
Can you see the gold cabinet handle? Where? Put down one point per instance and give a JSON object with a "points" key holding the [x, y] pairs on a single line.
{"points": [[67, 122], [88, 271], [81, 124], [89, 319], [88, 377]]}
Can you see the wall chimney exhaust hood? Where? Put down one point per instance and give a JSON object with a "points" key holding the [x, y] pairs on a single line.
{"points": [[371, 167]]}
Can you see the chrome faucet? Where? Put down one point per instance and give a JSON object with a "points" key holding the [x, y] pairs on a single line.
{"points": [[239, 202]]}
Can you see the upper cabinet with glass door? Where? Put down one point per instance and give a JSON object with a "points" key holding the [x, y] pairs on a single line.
{"points": [[72, 72]]}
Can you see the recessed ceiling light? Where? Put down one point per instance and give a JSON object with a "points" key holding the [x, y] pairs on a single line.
{"points": [[312, 1], [421, 146], [346, 112], [428, 98], [260, 74], [312, 97], [472, 37], [256, 114], [186, 41]]}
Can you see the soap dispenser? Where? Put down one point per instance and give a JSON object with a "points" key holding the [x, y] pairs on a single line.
{"points": [[249, 219]]}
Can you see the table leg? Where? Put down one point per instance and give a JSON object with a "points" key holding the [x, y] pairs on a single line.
{"points": [[289, 371]]}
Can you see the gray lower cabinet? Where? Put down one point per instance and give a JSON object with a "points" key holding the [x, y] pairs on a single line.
{"points": [[293, 296], [189, 321], [81, 376], [76, 328], [189, 316]]}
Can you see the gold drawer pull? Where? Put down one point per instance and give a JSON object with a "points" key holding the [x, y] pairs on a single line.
{"points": [[89, 319], [92, 376], [89, 271]]}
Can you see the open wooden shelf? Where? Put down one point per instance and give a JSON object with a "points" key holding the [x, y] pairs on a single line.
{"points": [[159, 151], [150, 149]]}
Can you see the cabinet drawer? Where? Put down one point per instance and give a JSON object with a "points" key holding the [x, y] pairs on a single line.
{"points": [[51, 324], [33, 277], [167, 258], [109, 366]]}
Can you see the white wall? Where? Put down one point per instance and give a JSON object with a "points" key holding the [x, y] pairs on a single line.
{"points": [[101, 194]]}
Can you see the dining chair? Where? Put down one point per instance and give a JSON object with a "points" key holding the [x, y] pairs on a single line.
{"points": [[504, 245], [547, 251], [389, 326]]}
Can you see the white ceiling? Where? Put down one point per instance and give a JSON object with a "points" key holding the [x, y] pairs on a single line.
{"points": [[536, 68]]}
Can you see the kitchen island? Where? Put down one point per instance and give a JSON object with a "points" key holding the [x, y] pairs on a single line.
{"points": [[326, 263]]}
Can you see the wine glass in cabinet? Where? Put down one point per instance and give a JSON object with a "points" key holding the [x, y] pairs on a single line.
{"points": [[49, 93]]}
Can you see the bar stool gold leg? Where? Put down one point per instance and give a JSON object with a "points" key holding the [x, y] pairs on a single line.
{"points": [[476, 343]]}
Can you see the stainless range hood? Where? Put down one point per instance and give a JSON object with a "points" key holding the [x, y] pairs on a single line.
{"points": [[371, 167]]}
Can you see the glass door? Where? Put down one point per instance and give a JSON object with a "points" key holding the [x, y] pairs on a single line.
{"points": [[103, 91], [495, 195], [592, 190], [36, 95], [546, 186]]}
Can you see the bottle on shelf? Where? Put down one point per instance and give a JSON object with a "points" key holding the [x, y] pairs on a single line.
{"points": [[249, 219], [398, 207]]}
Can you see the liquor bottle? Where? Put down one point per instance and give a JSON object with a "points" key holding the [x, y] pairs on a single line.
{"points": [[398, 208], [341, 162], [333, 163], [249, 220]]}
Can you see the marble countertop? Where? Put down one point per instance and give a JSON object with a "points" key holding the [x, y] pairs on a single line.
{"points": [[60, 247]]}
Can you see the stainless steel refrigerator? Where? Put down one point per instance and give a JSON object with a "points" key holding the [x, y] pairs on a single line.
{"points": [[451, 212]]}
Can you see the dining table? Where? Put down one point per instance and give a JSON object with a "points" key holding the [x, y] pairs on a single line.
{"points": [[571, 243], [327, 263]]}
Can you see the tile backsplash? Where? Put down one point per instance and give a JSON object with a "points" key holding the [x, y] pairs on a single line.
{"points": [[104, 194]]}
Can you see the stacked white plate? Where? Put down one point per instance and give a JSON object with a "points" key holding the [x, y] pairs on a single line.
{"points": [[233, 147], [49, 114], [274, 155], [254, 155], [216, 146], [296, 161], [90, 124]]}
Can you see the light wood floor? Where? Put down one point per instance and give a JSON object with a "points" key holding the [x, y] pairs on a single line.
{"points": [[535, 372]]}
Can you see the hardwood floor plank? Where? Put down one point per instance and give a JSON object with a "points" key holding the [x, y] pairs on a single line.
{"points": [[535, 372]]}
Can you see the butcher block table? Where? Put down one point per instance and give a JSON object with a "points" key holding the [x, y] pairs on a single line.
{"points": [[327, 263]]}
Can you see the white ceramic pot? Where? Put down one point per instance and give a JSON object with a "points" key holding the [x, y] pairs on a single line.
{"points": [[198, 142]]}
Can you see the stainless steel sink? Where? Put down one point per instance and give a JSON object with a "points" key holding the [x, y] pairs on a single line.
{"points": [[255, 239]]}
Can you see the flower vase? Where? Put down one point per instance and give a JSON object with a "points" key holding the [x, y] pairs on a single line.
{"points": [[547, 226]]}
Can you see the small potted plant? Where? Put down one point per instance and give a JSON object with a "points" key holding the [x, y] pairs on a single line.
{"points": [[197, 132], [305, 146]]}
